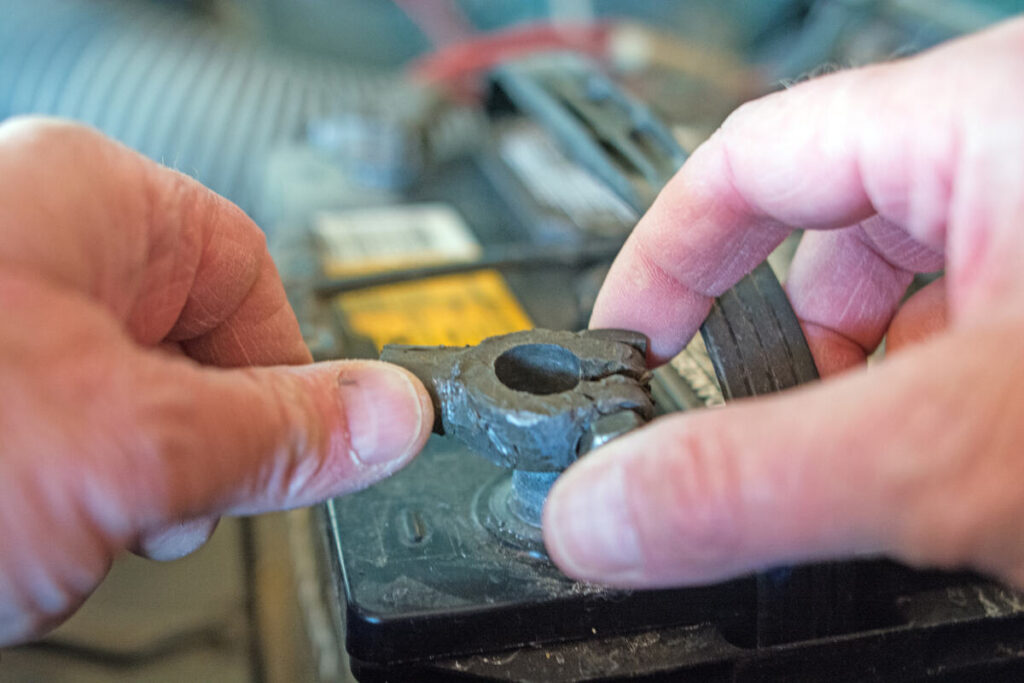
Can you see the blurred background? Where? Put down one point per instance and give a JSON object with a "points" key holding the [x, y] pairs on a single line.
{"points": [[344, 127]]}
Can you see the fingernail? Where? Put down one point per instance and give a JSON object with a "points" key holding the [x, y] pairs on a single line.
{"points": [[588, 527], [383, 410]]}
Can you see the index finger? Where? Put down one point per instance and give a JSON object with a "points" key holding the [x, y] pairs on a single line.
{"points": [[825, 154], [164, 255]]}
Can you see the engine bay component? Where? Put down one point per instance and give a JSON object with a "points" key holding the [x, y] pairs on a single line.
{"points": [[532, 401]]}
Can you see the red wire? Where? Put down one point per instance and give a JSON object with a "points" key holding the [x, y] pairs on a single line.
{"points": [[457, 65]]}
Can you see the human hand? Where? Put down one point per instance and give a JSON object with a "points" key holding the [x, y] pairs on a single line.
{"points": [[897, 168], [121, 284]]}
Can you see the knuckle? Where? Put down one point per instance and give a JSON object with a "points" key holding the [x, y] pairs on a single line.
{"points": [[49, 139], [145, 471], [169, 443], [741, 117], [182, 202], [37, 128], [220, 253], [702, 493], [288, 411], [300, 465], [258, 440]]}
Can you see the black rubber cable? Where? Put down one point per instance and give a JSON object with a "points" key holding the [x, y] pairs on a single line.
{"points": [[508, 257]]}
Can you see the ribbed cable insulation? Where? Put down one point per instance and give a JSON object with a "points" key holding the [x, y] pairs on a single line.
{"points": [[179, 90]]}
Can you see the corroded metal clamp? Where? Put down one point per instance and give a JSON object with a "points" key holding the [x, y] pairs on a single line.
{"points": [[528, 400]]}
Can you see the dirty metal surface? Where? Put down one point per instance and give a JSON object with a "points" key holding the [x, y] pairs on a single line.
{"points": [[423, 574], [527, 400]]}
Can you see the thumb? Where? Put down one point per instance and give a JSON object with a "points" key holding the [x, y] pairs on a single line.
{"points": [[244, 441], [917, 458]]}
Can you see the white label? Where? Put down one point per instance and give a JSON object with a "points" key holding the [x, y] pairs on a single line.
{"points": [[359, 239]]}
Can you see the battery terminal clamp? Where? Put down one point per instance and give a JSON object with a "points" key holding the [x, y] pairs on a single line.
{"points": [[533, 402]]}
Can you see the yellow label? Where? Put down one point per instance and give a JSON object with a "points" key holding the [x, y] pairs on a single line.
{"points": [[451, 310]]}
